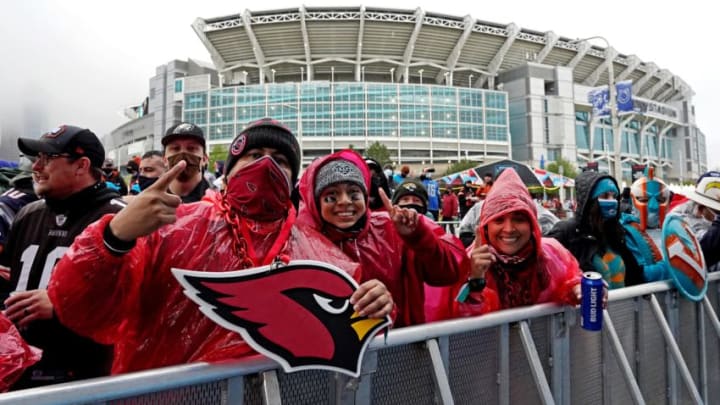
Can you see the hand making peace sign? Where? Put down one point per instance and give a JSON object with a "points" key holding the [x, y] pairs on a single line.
{"points": [[405, 219]]}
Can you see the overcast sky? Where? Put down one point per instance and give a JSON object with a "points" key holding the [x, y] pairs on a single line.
{"points": [[82, 62]]}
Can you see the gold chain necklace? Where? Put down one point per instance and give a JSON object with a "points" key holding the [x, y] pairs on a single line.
{"points": [[239, 243]]}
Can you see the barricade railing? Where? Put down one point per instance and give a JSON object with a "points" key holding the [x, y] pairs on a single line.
{"points": [[448, 224], [655, 348]]}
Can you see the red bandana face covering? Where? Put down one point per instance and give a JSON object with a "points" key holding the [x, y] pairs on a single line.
{"points": [[259, 191]]}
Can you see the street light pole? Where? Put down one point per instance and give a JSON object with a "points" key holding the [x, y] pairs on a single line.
{"points": [[614, 121], [298, 108]]}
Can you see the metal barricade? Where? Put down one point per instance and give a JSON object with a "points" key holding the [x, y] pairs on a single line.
{"points": [[447, 224], [655, 348]]}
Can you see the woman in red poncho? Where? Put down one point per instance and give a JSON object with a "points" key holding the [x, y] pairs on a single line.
{"points": [[511, 264]]}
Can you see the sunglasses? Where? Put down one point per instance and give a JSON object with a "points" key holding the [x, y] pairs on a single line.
{"points": [[45, 158]]}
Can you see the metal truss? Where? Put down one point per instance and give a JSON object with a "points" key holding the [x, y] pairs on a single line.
{"points": [[358, 52], [582, 50], [665, 77], [650, 70], [420, 18], [306, 43], [633, 63], [551, 39], [200, 29], [410, 47], [610, 54], [457, 50], [494, 66]]}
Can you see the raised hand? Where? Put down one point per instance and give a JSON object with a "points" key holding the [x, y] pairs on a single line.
{"points": [[149, 210], [405, 219], [480, 257]]}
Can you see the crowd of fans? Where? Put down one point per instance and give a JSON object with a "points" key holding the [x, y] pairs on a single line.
{"points": [[86, 256]]}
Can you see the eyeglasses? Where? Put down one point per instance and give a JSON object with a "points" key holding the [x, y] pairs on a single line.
{"points": [[45, 158]]}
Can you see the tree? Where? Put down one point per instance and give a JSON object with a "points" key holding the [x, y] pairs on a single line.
{"points": [[379, 152], [568, 169], [218, 152], [460, 166]]}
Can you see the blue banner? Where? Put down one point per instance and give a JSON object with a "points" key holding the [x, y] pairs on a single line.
{"points": [[624, 96], [600, 97]]}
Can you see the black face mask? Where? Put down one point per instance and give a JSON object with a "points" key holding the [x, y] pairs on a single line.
{"points": [[418, 208], [107, 172], [145, 182]]}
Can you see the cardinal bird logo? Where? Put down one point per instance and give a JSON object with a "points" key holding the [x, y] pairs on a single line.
{"points": [[298, 314]]}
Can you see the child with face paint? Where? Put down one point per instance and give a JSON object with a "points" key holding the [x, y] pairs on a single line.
{"points": [[651, 201], [398, 246], [594, 234]]}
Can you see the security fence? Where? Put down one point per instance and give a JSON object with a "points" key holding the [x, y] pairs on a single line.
{"points": [[655, 348]]}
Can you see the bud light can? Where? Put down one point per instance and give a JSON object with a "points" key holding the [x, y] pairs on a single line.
{"points": [[591, 306]]}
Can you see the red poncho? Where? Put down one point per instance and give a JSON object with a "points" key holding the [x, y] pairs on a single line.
{"points": [[134, 302], [402, 263], [550, 277]]}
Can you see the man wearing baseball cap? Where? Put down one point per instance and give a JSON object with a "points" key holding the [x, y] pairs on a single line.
{"points": [[67, 174], [121, 265], [113, 179], [186, 141], [707, 197]]}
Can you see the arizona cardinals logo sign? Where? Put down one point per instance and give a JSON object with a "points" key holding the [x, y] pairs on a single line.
{"points": [[682, 253], [297, 314]]}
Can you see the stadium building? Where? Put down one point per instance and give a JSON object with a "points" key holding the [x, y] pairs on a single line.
{"points": [[433, 88]]}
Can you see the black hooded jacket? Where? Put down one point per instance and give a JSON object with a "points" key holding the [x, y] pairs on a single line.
{"points": [[40, 235], [584, 240]]}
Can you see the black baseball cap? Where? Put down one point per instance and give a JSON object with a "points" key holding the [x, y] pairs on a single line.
{"points": [[75, 141], [184, 130]]}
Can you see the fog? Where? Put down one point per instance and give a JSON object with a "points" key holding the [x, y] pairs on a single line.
{"points": [[83, 62]]}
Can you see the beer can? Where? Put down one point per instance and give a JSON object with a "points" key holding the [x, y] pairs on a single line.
{"points": [[591, 305]]}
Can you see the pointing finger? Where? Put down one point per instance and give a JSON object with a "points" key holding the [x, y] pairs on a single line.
{"points": [[478, 235], [386, 201], [164, 181]]}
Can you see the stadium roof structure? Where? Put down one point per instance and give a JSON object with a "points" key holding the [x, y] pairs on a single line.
{"points": [[380, 44]]}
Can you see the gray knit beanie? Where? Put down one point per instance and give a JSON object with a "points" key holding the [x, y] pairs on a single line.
{"points": [[338, 171]]}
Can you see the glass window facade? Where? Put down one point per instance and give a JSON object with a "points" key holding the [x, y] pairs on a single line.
{"points": [[355, 109], [582, 132], [631, 138]]}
